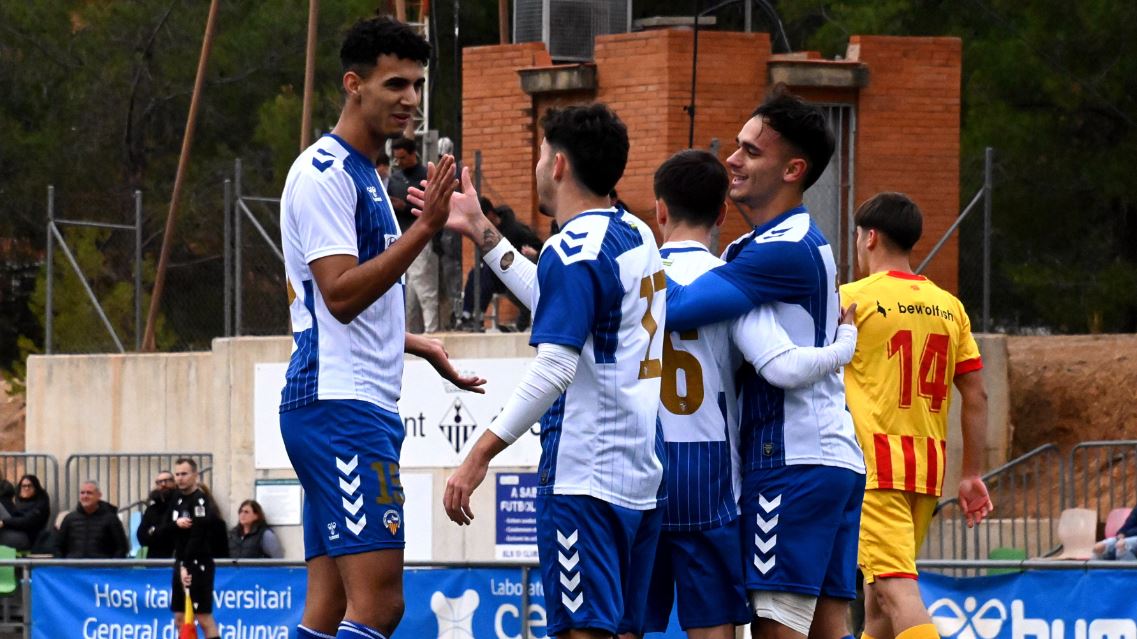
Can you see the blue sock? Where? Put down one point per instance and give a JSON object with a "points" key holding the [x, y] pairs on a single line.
{"points": [[356, 630], [308, 633]]}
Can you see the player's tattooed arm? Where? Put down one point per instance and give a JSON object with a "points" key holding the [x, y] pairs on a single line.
{"points": [[490, 238]]}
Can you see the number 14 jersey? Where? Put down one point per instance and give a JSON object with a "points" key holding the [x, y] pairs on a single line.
{"points": [[914, 338]]}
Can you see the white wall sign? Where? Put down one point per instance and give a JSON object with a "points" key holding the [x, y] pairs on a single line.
{"points": [[281, 500], [440, 419]]}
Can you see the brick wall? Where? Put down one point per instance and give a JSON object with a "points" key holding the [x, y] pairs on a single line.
{"points": [[908, 134], [907, 117]]}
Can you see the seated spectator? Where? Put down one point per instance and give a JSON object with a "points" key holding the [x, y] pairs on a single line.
{"points": [[1123, 545], [159, 540], [525, 240], [92, 530], [252, 538], [28, 512]]}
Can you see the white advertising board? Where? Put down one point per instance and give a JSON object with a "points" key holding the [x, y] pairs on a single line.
{"points": [[440, 419]]}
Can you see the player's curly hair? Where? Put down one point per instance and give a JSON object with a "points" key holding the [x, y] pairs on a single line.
{"points": [[800, 124], [370, 38], [594, 140]]}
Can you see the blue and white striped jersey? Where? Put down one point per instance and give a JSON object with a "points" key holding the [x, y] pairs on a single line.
{"points": [[334, 204], [789, 264], [698, 400], [601, 290]]}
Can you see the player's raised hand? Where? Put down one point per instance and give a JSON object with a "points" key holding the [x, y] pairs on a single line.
{"points": [[466, 216], [974, 500], [434, 206], [849, 314]]}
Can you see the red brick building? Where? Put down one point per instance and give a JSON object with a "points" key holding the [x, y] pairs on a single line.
{"points": [[893, 101]]}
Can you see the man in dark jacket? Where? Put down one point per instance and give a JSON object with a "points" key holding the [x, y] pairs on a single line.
{"points": [[199, 535], [93, 530], [159, 540]]}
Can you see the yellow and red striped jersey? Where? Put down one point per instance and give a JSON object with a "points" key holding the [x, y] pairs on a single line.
{"points": [[914, 338]]}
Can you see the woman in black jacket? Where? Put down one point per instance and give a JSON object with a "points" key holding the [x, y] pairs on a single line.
{"points": [[27, 516], [251, 538]]}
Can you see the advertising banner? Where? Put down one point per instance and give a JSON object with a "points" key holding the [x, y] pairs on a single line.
{"points": [[1045, 604], [516, 508], [440, 419], [266, 603]]}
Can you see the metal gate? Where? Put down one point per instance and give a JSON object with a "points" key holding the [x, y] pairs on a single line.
{"points": [[830, 199]]}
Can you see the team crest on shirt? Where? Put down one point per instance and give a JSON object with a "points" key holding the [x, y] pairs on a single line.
{"points": [[392, 521]]}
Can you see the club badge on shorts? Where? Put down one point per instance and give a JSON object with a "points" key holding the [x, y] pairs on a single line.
{"points": [[391, 520]]}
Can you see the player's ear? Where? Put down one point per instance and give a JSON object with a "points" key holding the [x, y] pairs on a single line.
{"points": [[560, 166], [351, 82], [795, 170], [722, 215], [872, 239], [660, 212]]}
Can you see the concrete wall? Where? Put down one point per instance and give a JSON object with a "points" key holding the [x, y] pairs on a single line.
{"points": [[204, 402]]}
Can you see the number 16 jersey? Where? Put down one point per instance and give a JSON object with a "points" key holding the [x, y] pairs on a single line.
{"points": [[914, 338]]}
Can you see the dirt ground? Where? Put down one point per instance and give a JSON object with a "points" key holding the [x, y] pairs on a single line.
{"points": [[1070, 389]]}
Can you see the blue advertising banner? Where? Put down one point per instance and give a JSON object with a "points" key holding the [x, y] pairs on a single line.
{"points": [[1048, 604], [134, 603], [266, 603]]}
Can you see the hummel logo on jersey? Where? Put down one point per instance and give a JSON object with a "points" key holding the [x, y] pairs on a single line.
{"points": [[349, 483], [569, 582], [332, 534], [455, 615], [321, 166], [968, 622], [576, 246], [374, 194]]}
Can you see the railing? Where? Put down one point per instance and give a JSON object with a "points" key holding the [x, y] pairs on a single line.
{"points": [[124, 478], [1028, 496], [1112, 465]]}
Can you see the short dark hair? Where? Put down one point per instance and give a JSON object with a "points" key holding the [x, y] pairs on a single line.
{"points": [[370, 38], [594, 140], [406, 144], [693, 184], [382, 159], [893, 214], [186, 460], [802, 125]]}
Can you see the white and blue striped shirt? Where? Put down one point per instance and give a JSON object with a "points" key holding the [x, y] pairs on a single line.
{"points": [[334, 204]]}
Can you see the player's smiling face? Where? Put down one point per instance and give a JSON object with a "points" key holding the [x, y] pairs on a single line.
{"points": [[758, 165], [389, 95]]}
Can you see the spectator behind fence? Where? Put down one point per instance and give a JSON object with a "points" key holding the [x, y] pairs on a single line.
{"points": [[252, 538], [383, 168], [449, 246], [1123, 545], [92, 530], [158, 540], [522, 237], [422, 275], [28, 512]]}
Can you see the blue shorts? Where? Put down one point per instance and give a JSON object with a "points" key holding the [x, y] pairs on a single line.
{"points": [[703, 566], [799, 529], [596, 562], [346, 455]]}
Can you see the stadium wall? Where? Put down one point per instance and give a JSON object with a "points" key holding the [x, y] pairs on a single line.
{"points": [[205, 402]]}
